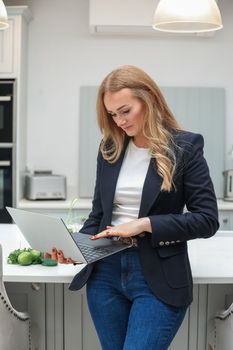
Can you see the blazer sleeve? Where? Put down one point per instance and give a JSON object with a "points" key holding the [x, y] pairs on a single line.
{"points": [[201, 220], [91, 225]]}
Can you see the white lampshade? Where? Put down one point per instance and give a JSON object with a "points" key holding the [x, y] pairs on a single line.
{"points": [[187, 16], [3, 16]]}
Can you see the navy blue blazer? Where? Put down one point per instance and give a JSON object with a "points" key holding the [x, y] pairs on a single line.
{"points": [[163, 254]]}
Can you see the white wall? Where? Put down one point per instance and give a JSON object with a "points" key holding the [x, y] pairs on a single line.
{"points": [[63, 56]]}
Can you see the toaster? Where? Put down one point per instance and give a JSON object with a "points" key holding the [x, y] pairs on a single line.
{"points": [[42, 185]]}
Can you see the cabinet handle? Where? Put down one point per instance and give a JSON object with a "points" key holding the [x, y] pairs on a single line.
{"points": [[225, 220], [5, 98], [35, 286], [5, 163]]}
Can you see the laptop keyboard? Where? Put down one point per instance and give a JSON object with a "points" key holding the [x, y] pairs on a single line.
{"points": [[93, 253]]}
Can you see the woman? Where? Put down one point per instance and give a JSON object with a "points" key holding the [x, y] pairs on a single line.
{"points": [[148, 170]]}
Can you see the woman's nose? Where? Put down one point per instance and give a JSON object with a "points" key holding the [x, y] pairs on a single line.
{"points": [[121, 121]]}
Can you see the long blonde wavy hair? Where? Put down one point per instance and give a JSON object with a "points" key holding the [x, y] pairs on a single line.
{"points": [[159, 122]]}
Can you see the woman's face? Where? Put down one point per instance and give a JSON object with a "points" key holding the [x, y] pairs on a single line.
{"points": [[127, 112]]}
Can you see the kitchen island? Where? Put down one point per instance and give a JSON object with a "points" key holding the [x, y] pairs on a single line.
{"points": [[60, 317], [211, 260]]}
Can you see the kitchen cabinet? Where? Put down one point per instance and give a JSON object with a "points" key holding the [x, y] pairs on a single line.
{"points": [[6, 49], [13, 65], [13, 42], [60, 318], [82, 332]]}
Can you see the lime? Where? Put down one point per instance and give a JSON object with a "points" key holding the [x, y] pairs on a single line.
{"points": [[35, 254], [25, 258]]}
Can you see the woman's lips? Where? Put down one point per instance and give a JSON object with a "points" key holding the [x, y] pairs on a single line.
{"points": [[127, 127]]}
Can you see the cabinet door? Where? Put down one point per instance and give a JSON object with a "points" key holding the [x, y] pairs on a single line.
{"points": [[54, 317], [180, 342], [26, 298], [78, 326], [6, 48]]}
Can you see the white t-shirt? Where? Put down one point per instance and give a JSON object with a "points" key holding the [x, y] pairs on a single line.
{"points": [[130, 182]]}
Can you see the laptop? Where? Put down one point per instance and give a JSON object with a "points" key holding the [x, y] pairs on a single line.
{"points": [[44, 232]]}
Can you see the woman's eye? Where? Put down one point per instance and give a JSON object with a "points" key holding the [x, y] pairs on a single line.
{"points": [[114, 115]]}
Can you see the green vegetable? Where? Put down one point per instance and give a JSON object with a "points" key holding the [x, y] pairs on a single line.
{"points": [[14, 255], [49, 262], [25, 258], [35, 254]]}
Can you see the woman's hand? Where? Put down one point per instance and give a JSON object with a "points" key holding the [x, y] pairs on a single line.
{"points": [[129, 229], [59, 256]]}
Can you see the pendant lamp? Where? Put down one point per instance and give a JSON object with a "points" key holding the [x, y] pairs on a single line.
{"points": [[187, 16], [3, 16]]}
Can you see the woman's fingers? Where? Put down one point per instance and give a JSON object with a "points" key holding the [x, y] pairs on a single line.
{"points": [[59, 256], [107, 233], [54, 254], [122, 230]]}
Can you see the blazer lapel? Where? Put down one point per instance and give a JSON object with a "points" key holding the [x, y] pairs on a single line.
{"points": [[110, 176], [151, 189], [150, 192]]}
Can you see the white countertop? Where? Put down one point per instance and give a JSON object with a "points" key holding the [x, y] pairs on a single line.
{"points": [[86, 204], [225, 204], [11, 239], [55, 204], [211, 260]]}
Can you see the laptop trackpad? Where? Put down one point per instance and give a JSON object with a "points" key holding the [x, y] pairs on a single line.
{"points": [[84, 238]]}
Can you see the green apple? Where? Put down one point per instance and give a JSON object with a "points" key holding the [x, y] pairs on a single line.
{"points": [[25, 258]]}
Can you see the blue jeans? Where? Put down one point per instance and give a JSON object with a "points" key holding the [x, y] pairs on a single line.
{"points": [[126, 314]]}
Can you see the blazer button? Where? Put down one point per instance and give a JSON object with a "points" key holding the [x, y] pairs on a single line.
{"points": [[161, 243], [167, 243]]}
